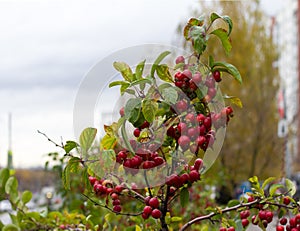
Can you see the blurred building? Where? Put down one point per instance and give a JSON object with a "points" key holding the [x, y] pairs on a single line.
{"points": [[285, 33]]}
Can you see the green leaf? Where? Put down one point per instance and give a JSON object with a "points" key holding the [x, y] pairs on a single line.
{"points": [[169, 94], [107, 160], [229, 68], [118, 82], [70, 145], [66, 177], [214, 16], [132, 104], [141, 81], [14, 219], [86, 139], [35, 215], [163, 73], [11, 185], [192, 22], [26, 196], [235, 100], [157, 61], [267, 182], [198, 35], [274, 188], [125, 71], [178, 66], [108, 142], [184, 197], [125, 137], [149, 108], [291, 187], [139, 70], [232, 203], [74, 164], [11, 227], [223, 36], [4, 175]]}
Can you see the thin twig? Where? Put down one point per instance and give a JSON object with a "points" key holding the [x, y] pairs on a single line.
{"points": [[56, 144], [110, 209]]}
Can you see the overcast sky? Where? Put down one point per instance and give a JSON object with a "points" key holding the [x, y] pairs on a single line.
{"points": [[47, 47]]}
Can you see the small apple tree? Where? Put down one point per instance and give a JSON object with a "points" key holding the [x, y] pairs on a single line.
{"points": [[155, 154]]}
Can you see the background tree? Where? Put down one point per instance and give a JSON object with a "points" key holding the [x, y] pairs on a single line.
{"points": [[251, 146]]}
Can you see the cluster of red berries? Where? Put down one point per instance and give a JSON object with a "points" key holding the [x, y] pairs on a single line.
{"points": [[189, 82], [139, 160], [107, 188], [293, 224], [151, 208], [190, 176], [193, 132]]}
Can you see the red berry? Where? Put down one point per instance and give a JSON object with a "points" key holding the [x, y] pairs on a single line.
{"points": [[137, 132], [201, 140], [147, 210], [92, 180], [158, 160], [153, 202], [229, 110], [194, 176], [201, 118], [122, 155], [62, 227], [251, 199], [182, 128], [262, 214], [116, 202], [293, 222], [187, 73], [198, 164], [211, 92], [147, 199], [197, 79], [179, 59], [286, 200], [117, 208], [184, 178], [181, 106], [207, 123], [245, 222], [194, 148], [184, 142], [279, 228], [179, 84], [193, 133], [122, 112], [269, 216], [114, 196], [148, 164], [231, 229], [156, 213], [145, 216], [146, 124], [136, 161], [192, 85], [222, 229], [217, 76], [298, 218], [283, 221], [190, 118]]}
